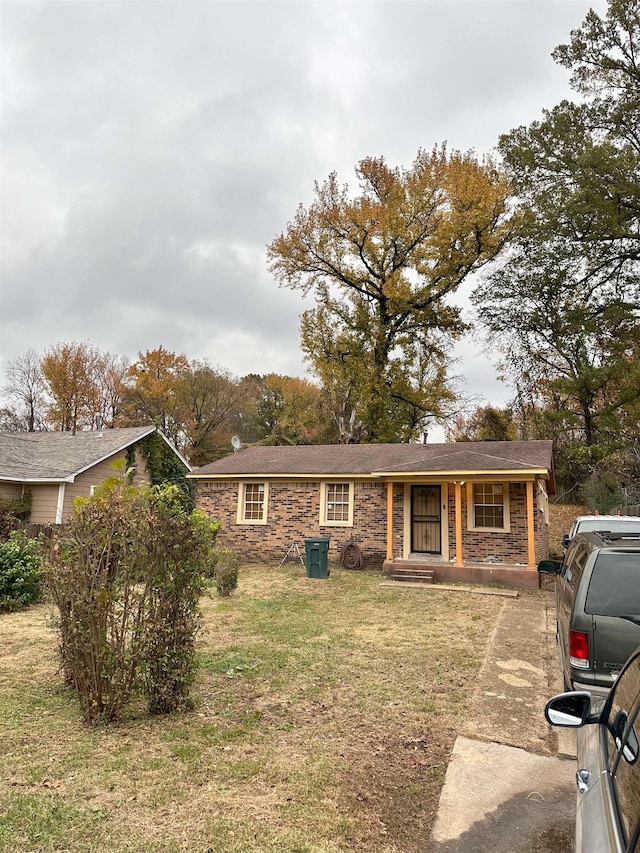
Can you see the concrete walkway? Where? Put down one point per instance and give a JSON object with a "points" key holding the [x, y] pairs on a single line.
{"points": [[507, 790]]}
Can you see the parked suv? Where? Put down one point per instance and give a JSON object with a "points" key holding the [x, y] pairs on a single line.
{"points": [[608, 748], [597, 607], [612, 523]]}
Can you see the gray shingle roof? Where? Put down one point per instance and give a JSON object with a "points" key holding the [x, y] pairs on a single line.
{"points": [[33, 456], [368, 459]]}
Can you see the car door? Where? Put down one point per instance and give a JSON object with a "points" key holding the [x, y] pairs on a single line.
{"points": [[608, 775]]}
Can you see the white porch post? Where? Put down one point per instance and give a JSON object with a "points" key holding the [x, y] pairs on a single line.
{"points": [[60, 504]]}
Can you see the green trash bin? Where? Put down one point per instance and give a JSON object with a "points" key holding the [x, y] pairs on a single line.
{"points": [[317, 555]]}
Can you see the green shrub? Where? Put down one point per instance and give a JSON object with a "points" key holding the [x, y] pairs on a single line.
{"points": [[126, 573], [19, 571], [226, 572]]}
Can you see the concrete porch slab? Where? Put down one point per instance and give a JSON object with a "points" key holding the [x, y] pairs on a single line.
{"points": [[487, 574]]}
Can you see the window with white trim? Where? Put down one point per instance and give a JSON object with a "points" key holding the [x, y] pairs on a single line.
{"points": [[252, 503], [336, 504], [489, 506]]}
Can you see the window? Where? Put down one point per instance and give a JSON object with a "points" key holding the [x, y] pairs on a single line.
{"points": [[336, 504], [488, 506], [613, 588], [252, 503]]}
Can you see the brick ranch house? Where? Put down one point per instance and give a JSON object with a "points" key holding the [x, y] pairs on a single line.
{"points": [[471, 511], [57, 467]]}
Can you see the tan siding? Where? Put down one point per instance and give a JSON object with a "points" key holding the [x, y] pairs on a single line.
{"points": [[97, 475], [11, 491], [44, 504]]}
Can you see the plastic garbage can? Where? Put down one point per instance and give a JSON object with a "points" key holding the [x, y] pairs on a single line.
{"points": [[317, 551]]}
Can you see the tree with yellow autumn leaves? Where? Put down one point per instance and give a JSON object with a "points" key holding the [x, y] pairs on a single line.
{"points": [[381, 265]]}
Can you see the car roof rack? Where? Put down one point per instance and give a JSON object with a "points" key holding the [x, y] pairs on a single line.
{"points": [[619, 535]]}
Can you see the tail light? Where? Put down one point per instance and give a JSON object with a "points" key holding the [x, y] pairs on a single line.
{"points": [[579, 649]]}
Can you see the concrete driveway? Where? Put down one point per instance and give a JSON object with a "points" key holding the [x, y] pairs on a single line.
{"points": [[510, 784]]}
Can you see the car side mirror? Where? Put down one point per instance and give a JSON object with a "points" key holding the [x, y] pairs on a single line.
{"points": [[549, 567], [569, 710], [565, 541]]}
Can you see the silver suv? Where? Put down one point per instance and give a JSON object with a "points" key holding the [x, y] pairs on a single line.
{"points": [[608, 777], [597, 607]]}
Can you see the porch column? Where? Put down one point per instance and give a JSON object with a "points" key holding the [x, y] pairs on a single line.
{"points": [[389, 520], [60, 504], [531, 543], [459, 561]]}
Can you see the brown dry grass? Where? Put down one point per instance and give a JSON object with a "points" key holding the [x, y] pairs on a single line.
{"points": [[325, 714]]}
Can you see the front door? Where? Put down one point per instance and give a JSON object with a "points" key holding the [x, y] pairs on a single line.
{"points": [[425, 520]]}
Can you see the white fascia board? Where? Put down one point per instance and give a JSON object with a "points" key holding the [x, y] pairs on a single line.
{"points": [[39, 481]]}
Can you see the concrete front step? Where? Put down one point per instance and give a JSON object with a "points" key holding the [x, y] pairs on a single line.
{"points": [[415, 575]]}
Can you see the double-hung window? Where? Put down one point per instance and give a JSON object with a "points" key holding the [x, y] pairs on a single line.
{"points": [[489, 506], [252, 503], [336, 504]]}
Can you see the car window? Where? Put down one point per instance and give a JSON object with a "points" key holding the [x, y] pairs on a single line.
{"points": [[574, 564], [627, 778], [615, 525], [623, 743], [614, 587], [623, 700]]}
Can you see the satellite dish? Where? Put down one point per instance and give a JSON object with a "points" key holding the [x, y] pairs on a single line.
{"points": [[235, 441]]}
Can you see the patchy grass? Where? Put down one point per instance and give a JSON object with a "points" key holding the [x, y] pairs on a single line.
{"points": [[325, 714]]}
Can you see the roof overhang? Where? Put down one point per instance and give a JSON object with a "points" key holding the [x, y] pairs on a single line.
{"points": [[113, 452], [38, 481], [509, 475]]}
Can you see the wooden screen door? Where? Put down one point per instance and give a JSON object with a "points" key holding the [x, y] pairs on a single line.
{"points": [[425, 520]]}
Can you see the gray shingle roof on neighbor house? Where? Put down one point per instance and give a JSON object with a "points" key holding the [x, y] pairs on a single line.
{"points": [[56, 456], [383, 459]]}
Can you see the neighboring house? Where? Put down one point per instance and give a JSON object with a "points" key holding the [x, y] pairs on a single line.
{"points": [[57, 467], [472, 511]]}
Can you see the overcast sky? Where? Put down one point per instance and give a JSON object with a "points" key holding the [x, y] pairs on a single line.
{"points": [[151, 149]]}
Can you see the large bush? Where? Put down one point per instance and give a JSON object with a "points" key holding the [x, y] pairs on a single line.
{"points": [[126, 573], [19, 571]]}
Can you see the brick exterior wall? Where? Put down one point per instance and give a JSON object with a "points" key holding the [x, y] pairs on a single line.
{"points": [[294, 515], [511, 548]]}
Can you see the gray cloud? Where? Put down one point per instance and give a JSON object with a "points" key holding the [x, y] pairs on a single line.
{"points": [[151, 150]]}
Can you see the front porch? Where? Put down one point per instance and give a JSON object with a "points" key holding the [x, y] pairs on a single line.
{"points": [[433, 534], [426, 569]]}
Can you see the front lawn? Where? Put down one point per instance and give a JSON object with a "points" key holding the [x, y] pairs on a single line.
{"points": [[325, 714]]}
